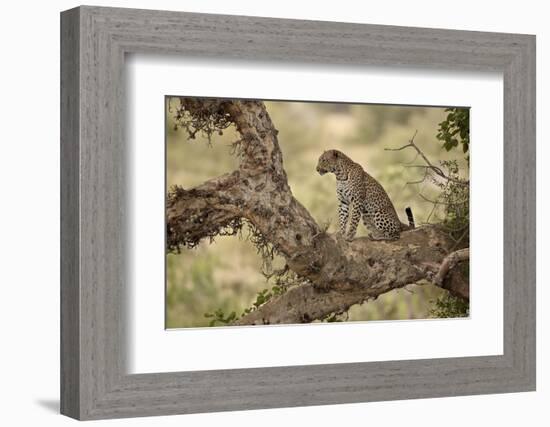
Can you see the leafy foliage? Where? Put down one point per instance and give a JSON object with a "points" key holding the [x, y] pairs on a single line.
{"points": [[220, 317], [455, 199], [197, 115], [448, 306], [283, 280], [455, 129], [454, 196], [336, 317], [261, 298]]}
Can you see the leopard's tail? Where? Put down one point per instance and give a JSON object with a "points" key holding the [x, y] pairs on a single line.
{"points": [[410, 218]]}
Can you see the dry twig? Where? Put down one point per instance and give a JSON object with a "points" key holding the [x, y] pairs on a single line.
{"points": [[428, 166]]}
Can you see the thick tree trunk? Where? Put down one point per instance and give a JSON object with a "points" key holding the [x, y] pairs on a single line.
{"points": [[337, 273]]}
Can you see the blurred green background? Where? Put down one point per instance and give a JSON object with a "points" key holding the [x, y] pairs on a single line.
{"points": [[227, 273]]}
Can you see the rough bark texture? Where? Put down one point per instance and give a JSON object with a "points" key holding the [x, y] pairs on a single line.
{"points": [[338, 273]]}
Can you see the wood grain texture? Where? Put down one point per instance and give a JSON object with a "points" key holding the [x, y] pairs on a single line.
{"points": [[70, 292], [94, 241]]}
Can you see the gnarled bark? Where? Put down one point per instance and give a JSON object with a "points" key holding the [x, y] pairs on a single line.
{"points": [[339, 273]]}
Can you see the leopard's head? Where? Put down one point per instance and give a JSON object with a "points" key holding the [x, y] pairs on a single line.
{"points": [[329, 161]]}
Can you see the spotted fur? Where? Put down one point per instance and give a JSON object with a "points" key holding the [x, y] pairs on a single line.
{"points": [[360, 195]]}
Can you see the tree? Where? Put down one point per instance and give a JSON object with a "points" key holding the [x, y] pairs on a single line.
{"points": [[324, 274]]}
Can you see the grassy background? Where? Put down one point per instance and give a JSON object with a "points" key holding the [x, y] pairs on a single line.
{"points": [[227, 273]]}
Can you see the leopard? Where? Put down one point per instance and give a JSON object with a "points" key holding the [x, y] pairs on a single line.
{"points": [[361, 195]]}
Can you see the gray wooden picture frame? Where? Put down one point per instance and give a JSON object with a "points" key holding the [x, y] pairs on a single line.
{"points": [[94, 41]]}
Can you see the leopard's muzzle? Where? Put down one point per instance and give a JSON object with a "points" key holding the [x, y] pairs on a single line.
{"points": [[321, 171]]}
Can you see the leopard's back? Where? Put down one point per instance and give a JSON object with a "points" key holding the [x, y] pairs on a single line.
{"points": [[378, 210]]}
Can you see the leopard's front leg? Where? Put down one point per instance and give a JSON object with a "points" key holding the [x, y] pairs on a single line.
{"points": [[355, 216], [343, 214]]}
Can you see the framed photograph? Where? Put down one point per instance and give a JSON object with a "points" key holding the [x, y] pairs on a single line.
{"points": [[261, 213], [236, 271]]}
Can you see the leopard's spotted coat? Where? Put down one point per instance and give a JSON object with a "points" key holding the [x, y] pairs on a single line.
{"points": [[360, 195]]}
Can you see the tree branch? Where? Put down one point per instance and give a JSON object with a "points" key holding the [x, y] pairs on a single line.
{"points": [[429, 166], [443, 277], [366, 270], [208, 210]]}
